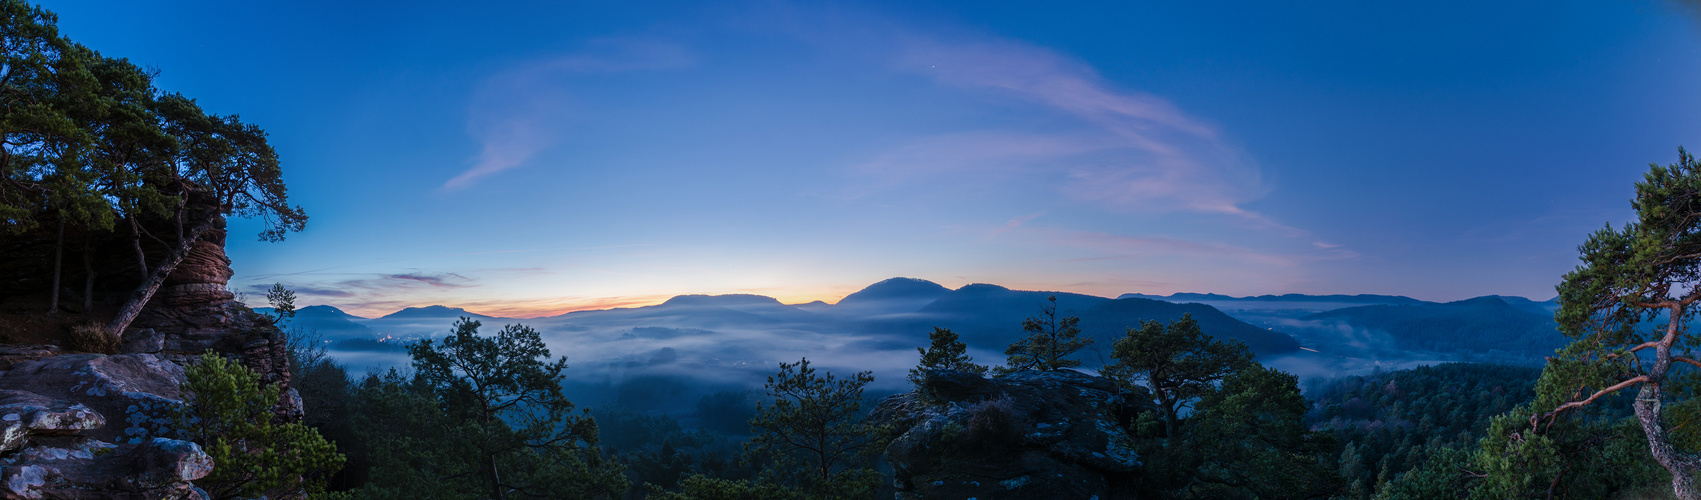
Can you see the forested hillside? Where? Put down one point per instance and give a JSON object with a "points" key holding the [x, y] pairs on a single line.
{"points": [[1390, 422]]}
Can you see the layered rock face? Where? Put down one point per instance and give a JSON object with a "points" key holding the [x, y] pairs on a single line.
{"points": [[192, 308], [88, 426], [1030, 434]]}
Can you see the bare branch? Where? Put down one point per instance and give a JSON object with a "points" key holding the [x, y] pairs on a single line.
{"points": [[1597, 395]]}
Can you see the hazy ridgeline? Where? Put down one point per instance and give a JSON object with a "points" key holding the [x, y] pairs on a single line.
{"points": [[666, 358]]}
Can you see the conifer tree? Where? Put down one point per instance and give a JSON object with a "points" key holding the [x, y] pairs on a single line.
{"points": [[231, 415], [1050, 340], [944, 352], [1178, 363], [814, 434], [482, 418]]}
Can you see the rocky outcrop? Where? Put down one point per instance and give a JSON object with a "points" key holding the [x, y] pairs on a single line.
{"points": [[83, 468], [192, 309], [136, 392], [57, 439], [1031, 434], [94, 426]]}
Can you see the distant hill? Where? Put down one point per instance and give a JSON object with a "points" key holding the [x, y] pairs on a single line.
{"points": [[692, 311], [1112, 319], [1292, 302], [1289, 297], [430, 321], [891, 296], [433, 312], [990, 316], [329, 323], [1479, 324]]}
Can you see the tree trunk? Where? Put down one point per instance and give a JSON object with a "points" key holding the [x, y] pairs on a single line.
{"points": [[1648, 410], [136, 241], [1659, 443], [58, 258], [89, 275], [156, 277], [495, 481]]}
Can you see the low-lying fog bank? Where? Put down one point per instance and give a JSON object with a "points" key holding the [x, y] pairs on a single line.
{"points": [[671, 357]]}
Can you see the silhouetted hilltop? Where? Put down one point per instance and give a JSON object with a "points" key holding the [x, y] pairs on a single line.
{"points": [[328, 322], [895, 295], [323, 312], [433, 312]]}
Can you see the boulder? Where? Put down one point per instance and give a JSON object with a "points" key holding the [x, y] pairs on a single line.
{"points": [[142, 341], [1030, 434], [23, 414], [138, 393], [14, 354], [83, 468]]}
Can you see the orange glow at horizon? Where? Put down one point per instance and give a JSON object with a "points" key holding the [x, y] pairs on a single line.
{"points": [[540, 308]]}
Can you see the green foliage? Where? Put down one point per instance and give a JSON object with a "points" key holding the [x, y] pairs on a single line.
{"points": [[1576, 458], [813, 435], [698, 487], [944, 352], [1444, 473], [1245, 436], [39, 138], [658, 452], [231, 415], [1645, 271], [728, 412], [1050, 340], [88, 137], [1391, 422], [1179, 364], [483, 417], [282, 301]]}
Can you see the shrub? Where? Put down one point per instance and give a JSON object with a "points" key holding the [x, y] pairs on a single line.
{"points": [[91, 337], [232, 417], [996, 421]]}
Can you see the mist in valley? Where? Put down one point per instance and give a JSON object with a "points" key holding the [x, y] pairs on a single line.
{"points": [[669, 359]]}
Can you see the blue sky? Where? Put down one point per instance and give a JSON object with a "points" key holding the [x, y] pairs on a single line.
{"points": [[529, 159]]}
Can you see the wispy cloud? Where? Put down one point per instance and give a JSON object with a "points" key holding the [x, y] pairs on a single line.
{"points": [[1134, 151], [447, 280], [1014, 223], [517, 113]]}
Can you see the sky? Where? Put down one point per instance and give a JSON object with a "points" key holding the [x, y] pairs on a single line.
{"points": [[533, 158]]}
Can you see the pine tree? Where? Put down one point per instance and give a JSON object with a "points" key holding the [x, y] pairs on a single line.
{"points": [[230, 414], [944, 353], [1050, 339], [815, 436]]}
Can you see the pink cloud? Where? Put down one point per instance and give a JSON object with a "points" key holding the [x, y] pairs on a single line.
{"points": [[1138, 151]]}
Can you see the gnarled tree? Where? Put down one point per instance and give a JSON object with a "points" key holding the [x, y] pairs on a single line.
{"points": [[1626, 307], [216, 166]]}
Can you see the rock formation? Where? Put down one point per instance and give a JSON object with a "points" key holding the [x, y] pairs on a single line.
{"points": [[61, 436], [1030, 434], [93, 426]]}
